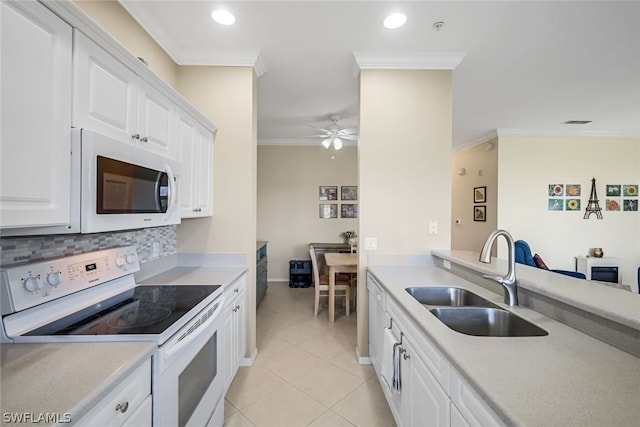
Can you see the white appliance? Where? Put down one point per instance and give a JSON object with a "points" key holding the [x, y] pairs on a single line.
{"points": [[115, 186], [93, 297]]}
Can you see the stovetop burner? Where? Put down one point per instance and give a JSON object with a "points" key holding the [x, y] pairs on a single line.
{"points": [[145, 310], [139, 318]]}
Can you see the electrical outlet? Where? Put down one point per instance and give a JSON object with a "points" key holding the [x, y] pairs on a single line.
{"points": [[433, 226], [371, 243], [446, 264]]}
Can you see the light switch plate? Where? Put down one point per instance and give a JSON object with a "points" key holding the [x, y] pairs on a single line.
{"points": [[371, 243]]}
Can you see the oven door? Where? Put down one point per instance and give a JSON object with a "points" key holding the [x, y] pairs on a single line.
{"points": [[188, 379]]}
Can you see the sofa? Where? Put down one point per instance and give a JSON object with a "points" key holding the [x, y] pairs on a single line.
{"points": [[524, 256]]}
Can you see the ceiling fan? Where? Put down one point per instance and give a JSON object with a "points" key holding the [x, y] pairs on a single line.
{"points": [[332, 134]]}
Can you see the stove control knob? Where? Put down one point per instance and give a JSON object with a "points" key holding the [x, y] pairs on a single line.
{"points": [[31, 284], [53, 278], [120, 261], [131, 258]]}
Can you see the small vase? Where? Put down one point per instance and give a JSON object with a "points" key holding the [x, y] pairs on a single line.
{"points": [[353, 240], [598, 252]]}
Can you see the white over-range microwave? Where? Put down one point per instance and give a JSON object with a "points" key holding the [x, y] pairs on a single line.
{"points": [[116, 186]]}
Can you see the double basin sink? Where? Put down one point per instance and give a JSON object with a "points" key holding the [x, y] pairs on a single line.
{"points": [[470, 314]]}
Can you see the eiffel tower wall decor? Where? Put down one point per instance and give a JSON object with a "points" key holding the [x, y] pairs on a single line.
{"points": [[593, 206]]}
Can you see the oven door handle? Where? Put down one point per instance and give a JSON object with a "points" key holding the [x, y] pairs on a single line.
{"points": [[195, 332], [172, 191]]}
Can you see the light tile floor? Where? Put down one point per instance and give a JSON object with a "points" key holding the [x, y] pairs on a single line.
{"points": [[306, 372]]}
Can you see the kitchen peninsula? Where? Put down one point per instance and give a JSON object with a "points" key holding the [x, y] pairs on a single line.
{"points": [[565, 378]]}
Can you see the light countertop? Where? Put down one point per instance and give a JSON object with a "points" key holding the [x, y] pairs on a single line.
{"points": [[65, 378], [564, 379]]}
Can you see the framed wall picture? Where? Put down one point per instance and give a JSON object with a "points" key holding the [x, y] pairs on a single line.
{"points": [[480, 195], [328, 210], [479, 213], [348, 210], [349, 192], [328, 192]]}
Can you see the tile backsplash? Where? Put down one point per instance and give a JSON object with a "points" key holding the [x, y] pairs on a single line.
{"points": [[16, 250]]}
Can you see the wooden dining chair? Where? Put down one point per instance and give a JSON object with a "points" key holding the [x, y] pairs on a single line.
{"points": [[321, 283]]}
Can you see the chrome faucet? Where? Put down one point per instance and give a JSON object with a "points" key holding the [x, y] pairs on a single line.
{"points": [[508, 281]]}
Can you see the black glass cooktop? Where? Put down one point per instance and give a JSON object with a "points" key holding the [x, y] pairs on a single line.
{"points": [[144, 310]]}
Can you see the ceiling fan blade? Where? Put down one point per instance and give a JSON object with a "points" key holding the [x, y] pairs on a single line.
{"points": [[321, 129], [316, 136], [349, 131], [349, 137]]}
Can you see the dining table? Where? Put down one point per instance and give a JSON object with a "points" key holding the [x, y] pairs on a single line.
{"points": [[338, 263]]}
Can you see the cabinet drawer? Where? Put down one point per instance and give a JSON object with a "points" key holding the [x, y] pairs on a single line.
{"points": [[118, 405], [142, 416], [437, 364], [472, 407], [234, 290]]}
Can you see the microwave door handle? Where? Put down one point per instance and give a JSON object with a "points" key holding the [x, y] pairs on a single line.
{"points": [[202, 329], [172, 191]]}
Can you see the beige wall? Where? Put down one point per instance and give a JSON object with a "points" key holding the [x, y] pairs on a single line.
{"points": [[481, 170], [288, 200], [527, 165], [404, 164], [115, 20], [227, 95]]}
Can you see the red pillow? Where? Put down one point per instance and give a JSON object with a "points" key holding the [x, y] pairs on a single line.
{"points": [[539, 262]]}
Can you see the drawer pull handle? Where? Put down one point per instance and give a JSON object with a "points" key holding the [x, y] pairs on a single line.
{"points": [[122, 407], [236, 290]]}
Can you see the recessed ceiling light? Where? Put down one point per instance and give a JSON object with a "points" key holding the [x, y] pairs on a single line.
{"points": [[395, 20], [223, 17]]}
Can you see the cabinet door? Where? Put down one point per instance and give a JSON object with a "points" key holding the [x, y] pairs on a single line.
{"points": [[105, 92], [457, 420], [228, 351], [424, 402], [377, 322], [35, 137], [155, 121], [240, 330], [204, 172], [186, 141]]}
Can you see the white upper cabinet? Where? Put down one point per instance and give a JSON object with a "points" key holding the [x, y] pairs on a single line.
{"points": [[155, 121], [111, 99], [105, 95], [195, 144], [35, 137]]}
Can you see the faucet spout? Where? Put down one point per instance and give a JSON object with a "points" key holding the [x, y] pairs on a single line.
{"points": [[509, 280]]}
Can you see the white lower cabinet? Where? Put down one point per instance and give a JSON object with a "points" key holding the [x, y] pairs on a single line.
{"points": [[432, 393], [129, 404], [472, 407], [234, 329], [424, 402], [457, 420]]}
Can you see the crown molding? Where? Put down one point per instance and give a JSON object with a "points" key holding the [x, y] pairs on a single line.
{"points": [[307, 142], [566, 133], [407, 60], [476, 141], [250, 58]]}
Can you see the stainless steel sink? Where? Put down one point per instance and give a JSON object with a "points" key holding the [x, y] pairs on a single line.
{"points": [[448, 296], [486, 322]]}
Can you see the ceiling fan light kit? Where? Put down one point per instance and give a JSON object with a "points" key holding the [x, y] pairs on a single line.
{"points": [[334, 135]]}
